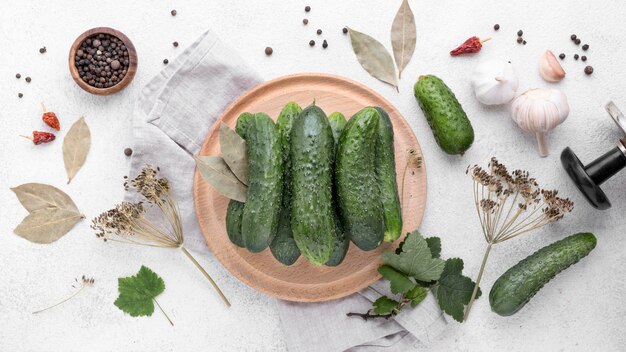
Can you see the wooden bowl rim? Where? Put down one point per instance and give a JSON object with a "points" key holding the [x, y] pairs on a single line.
{"points": [[262, 275], [132, 57]]}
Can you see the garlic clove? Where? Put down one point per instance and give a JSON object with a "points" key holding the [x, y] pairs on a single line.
{"points": [[550, 68]]}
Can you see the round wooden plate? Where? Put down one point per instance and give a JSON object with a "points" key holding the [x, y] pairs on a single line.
{"points": [[302, 281]]}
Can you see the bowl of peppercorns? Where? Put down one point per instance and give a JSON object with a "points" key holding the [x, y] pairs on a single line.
{"points": [[103, 61]]}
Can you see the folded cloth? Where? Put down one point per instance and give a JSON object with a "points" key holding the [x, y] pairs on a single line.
{"points": [[172, 117]]}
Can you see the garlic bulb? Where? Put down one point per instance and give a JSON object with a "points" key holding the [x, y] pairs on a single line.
{"points": [[550, 68], [539, 111], [494, 82]]}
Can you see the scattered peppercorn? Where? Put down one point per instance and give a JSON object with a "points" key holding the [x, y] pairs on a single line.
{"points": [[19, 95], [577, 41], [175, 44], [573, 37], [28, 79], [42, 50], [520, 40], [344, 30], [520, 33], [128, 152], [524, 42], [319, 32], [312, 43], [166, 61], [496, 26], [576, 56], [562, 56], [325, 44], [305, 21], [268, 51], [307, 8], [585, 47], [18, 76], [173, 12], [102, 60], [584, 58], [588, 70]]}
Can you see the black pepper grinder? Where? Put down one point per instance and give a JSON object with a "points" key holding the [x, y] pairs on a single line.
{"points": [[589, 178]]}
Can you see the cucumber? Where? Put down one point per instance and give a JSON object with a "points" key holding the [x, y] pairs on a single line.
{"points": [[312, 149], [233, 222], [337, 123], [283, 246], [360, 208], [519, 284], [259, 220], [449, 123], [386, 176]]}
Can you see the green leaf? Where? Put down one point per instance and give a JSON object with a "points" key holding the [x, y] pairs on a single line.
{"points": [[454, 290], [385, 305], [138, 292], [434, 244], [399, 283], [416, 259], [417, 295]]}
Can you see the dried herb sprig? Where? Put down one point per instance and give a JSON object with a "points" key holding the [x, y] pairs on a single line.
{"points": [[413, 161], [132, 223], [510, 204], [83, 283]]}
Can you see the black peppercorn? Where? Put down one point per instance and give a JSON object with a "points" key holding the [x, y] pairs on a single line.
{"points": [[562, 56], [166, 61], [28, 79], [19, 95], [325, 44], [577, 41], [344, 30], [524, 42], [312, 43], [572, 37], [18, 76], [576, 56], [584, 58], [520, 40], [520, 33], [496, 26], [585, 47], [128, 152], [588, 70], [102, 57], [305, 21], [307, 8], [319, 32], [175, 44], [268, 51], [173, 12], [42, 50]]}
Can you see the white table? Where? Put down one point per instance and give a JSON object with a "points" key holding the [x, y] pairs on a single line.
{"points": [[583, 309]]}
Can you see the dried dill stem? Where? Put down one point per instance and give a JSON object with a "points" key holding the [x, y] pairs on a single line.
{"points": [[131, 223], [510, 205], [83, 282], [413, 161]]}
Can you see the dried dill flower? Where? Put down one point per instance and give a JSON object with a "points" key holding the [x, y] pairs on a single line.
{"points": [[413, 161], [82, 283], [153, 222], [510, 204]]}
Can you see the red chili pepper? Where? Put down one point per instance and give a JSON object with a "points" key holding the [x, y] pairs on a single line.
{"points": [[51, 120], [41, 137], [470, 46]]}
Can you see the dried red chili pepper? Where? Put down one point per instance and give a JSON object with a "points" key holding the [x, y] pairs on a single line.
{"points": [[470, 46], [41, 137], [51, 120]]}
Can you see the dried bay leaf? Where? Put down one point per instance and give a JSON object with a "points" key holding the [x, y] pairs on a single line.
{"points": [[47, 225], [75, 147], [216, 172], [234, 152], [374, 57], [35, 196], [403, 36]]}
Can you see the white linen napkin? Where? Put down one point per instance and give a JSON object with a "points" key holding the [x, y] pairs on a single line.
{"points": [[174, 113]]}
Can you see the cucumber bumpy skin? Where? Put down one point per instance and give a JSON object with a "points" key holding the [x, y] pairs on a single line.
{"points": [[386, 175], [358, 193], [337, 123], [312, 218], [446, 118], [260, 214], [520, 283], [284, 247], [233, 222]]}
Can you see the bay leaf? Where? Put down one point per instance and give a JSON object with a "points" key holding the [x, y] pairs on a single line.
{"points": [[234, 152], [374, 57], [75, 147], [35, 196], [403, 36], [216, 172], [47, 225]]}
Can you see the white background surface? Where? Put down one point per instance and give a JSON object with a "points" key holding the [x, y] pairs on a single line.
{"points": [[583, 309]]}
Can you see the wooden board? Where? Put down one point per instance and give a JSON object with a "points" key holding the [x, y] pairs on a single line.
{"points": [[304, 282]]}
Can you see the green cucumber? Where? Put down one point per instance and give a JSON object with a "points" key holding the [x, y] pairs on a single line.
{"points": [[358, 193], [312, 149], [449, 123], [520, 283], [233, 222], [284, 247], [259, 220], [386, 175], [337, 123]]}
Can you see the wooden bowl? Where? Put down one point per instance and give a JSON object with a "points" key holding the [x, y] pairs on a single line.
{"points": [[302, 281], [130, 72]]}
